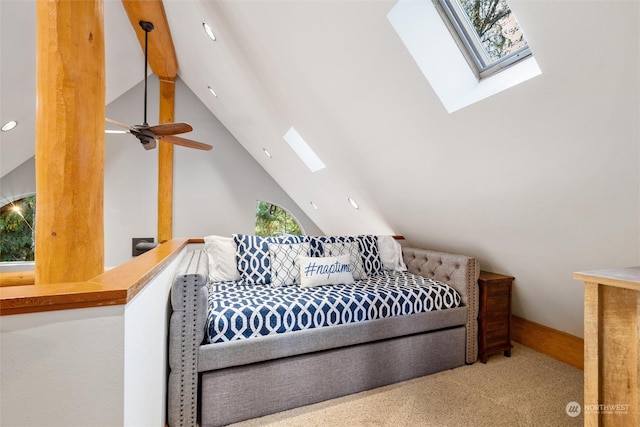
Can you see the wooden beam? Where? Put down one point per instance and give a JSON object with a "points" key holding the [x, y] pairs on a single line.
{"points": [[165, 164], [69, 149], [162, 54], [163, 62]]}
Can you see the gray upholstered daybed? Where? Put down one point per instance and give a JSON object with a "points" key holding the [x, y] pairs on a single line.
{"points": [[223, 383]]}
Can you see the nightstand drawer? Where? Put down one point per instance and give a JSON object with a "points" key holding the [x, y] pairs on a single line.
{"points": [[498, 289], [497, 333], [493, 324], [498, 306]]}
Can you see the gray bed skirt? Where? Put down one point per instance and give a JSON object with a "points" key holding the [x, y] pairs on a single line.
{"points": [[242, 392]]}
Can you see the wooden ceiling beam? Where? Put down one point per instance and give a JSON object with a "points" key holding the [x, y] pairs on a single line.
{"points": [[162, 53], [163, 62]]}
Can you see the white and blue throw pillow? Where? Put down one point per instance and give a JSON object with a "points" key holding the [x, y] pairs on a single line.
{"points": [[369, 253], [351, 249], [252, 256], [285, 268], [317, 242]]}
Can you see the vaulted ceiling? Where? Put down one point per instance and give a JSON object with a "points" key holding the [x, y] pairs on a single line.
{"points": [[505, 179], [339, 74]]}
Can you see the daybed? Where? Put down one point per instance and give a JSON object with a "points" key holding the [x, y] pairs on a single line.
{"points": [[237, 379]]}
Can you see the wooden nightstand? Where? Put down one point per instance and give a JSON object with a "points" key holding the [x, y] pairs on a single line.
{"points": [[494, 315]]}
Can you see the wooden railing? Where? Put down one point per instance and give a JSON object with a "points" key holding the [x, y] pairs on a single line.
{"points": [[114, 287], [17, 278]]}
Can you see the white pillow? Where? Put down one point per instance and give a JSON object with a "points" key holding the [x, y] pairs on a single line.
{"points": [[285, 268], [221, 252], [318, 271], [391, 253], [347, 248]]}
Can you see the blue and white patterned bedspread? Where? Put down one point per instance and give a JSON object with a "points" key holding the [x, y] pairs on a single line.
{"points": [[238, 311]]}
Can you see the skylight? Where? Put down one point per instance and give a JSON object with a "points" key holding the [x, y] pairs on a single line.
{"points": [[432, 44], [303, 150], [488, 33]]}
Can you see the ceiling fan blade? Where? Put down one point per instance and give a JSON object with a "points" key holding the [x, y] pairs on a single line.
{"points": [[171, 128], [184, 142], [117, 123]]}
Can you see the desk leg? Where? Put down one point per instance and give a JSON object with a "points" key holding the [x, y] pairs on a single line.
{"points": [[611, 356]]}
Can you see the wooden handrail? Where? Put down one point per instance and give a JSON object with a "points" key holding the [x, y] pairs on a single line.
{"points": [[114, 287], [17, 278]]}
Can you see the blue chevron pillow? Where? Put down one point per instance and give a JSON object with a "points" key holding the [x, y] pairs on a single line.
{"points": [[369, 254]]}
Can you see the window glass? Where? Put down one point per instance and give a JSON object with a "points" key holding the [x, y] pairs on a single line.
{"points": [[16, 228], [489, 32], [272, 220]]}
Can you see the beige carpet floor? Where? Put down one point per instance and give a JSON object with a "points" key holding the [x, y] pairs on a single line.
{"points": [[527, 389]]}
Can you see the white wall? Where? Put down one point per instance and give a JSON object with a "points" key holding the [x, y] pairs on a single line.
{"points": [[62, 368], [146, 341], [214, 191], [102, 366]]}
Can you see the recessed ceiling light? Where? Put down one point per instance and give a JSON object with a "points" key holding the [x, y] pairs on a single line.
{"points": [[9, 125], [267, 153], [209, 31], [213, 92], [314, 206], [353, 203], [114, 131]]}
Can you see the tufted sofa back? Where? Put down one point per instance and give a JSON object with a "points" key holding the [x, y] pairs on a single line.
{"points": [[459, 271]]}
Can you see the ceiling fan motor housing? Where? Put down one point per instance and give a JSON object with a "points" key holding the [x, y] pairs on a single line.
{"points": [[146, 137]]}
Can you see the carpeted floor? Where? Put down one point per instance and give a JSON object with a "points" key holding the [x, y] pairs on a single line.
{"points": [[527, 389]]}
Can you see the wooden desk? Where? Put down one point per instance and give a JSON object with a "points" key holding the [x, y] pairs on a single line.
{"points": [[611, 346]]}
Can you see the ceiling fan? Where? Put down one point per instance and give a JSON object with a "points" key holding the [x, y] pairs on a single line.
{"points": [[164, 132]]}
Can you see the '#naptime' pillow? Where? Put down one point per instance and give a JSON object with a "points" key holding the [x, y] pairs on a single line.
{"points": [[319, 271], [221, 252], [252, 256], [285, 267]]}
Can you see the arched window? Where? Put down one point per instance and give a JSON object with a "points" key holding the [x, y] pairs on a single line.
{"points": [[272, 220], [16, 228]]}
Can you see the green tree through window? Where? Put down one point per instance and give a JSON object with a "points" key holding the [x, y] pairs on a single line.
{"points": [[16, 230], [272, 220]]}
